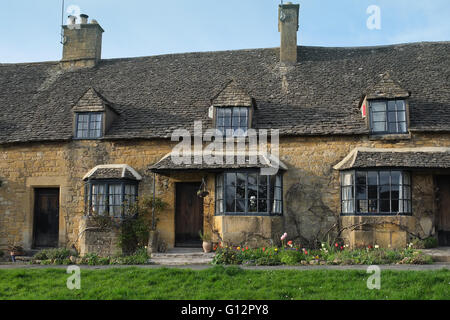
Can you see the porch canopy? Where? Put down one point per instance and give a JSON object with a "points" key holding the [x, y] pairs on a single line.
{"points": [[112, 171], [408, 158], [266, 161]]}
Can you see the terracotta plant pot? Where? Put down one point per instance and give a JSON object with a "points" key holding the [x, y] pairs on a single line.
{"points": [[207, 246]]}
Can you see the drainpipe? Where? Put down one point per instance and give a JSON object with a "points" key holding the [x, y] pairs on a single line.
{"points": [[153, 202]]}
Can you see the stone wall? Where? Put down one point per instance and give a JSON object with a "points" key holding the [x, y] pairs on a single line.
{"points": [[311, 186]]}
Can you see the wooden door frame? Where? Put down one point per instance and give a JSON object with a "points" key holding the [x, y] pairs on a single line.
{"points": [[35, 202], [177, 184], [438, 209]]}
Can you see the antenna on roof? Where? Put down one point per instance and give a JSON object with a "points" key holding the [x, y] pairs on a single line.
{"points": [[62, 23]]}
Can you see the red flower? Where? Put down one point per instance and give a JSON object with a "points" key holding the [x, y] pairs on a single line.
{"points": [[246, 248], [306, 252], [264, 249], [336, 245], [243, 249], [342, 248]]}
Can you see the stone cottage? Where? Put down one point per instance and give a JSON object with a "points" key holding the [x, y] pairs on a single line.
{"points": [[362, 134]]}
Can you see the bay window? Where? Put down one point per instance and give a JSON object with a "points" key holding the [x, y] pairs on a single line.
{"points": [[248, 193], [110, 198], [369, 192]]}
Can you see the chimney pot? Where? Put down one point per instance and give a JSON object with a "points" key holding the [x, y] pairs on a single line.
{"points": [[72, 20], [84, 18]]}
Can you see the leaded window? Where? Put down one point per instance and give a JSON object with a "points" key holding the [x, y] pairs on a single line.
{"points": [[249, 193], [386, 192], [232, 121], [388, 117], [111, 198], [89, 125]]}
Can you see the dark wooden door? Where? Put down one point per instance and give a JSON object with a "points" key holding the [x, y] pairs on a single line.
{"points": [[46, 218], [188, 215], [443, 217]]}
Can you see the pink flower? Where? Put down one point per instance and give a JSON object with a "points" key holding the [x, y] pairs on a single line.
{"points": [[283, 236]]}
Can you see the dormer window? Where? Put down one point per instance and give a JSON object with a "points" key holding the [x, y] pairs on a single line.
{"points": [[232, 121], [93, 116], [89, 125], [388, 117], [232, 110], [385, 107]]}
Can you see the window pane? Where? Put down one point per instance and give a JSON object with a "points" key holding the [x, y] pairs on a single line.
{"points": [[240, 206], [262, 205], [384, 177], [395, 192], [378, 106], [240, 185], [402, 127], [230, 179], [252, 192], [391, 105], [361, 178], [373, 206], [379, 127], [395, 177], [372, 178], [379, 116], [401, 116], [385, 206], [361, 206], [400, 105], [406, 179], [393, 128], [384, 192], [262, 187], [373, 192], [394, 204], [361, 192]]}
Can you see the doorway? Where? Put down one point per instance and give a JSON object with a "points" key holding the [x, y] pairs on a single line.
{"points": [[188, 215], [46, 218], [443, 215]]}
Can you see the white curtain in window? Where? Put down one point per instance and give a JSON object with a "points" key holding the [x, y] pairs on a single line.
{"points": [[278, 197], [347, 193], [115, 199], [98, 198]]}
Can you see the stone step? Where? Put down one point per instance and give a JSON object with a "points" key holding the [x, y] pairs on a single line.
{"points": [[441, 254]]}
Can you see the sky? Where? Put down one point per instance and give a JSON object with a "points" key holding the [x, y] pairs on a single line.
{"points": [[30, 29]]}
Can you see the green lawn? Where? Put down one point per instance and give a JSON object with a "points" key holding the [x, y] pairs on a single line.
{"points": [[222, 283]]}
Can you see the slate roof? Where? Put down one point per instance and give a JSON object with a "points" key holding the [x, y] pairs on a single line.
{"points": [[319, 95], [386, 88], [112, 171], [408, 158], [91, 101], [232, 96], [266, 161]]}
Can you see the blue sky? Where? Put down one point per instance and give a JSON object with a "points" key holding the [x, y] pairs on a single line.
{"points": [[29, 30]]}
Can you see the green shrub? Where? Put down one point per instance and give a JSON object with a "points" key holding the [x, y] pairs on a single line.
{"points": [[430, 242], [139, 257], [53, 254], [290, 257]]}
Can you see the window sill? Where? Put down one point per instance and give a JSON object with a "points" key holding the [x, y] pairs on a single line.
{"points": [[384, 214], [401, 136], [249, 214]]}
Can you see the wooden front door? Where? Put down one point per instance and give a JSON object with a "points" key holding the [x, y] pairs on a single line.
{"points": [[443, 217], [46, 218], [188, 215]]}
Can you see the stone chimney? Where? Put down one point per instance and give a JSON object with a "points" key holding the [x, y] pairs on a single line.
{"points": [[288, 27], [82, 43]]}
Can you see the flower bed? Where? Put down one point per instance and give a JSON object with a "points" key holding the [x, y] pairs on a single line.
{"points": [[328, 255], [67, 257]]}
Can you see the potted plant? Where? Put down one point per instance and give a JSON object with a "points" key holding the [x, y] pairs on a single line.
{"points": [[207, 244]]}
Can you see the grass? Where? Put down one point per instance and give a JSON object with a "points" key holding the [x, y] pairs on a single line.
{"points": [[222, 283]]}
